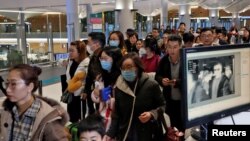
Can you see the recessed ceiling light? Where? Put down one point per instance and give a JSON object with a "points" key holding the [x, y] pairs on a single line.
{"points": [[104, 2]]}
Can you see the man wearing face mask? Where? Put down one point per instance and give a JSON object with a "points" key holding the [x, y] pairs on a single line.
{"points": [[96, 41]]}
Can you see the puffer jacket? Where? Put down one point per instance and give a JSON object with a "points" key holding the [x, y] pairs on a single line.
{"points": [[49, 123]]}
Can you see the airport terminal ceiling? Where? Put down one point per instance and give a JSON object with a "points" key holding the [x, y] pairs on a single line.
{"points": [[145, 7]]}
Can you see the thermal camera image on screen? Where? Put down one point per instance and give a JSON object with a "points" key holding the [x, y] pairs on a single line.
{"points": [[216, 82], [211, 78]]}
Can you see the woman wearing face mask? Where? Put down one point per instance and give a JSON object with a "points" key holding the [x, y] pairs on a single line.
{"points": [[116, 39], [151, 59], [110, 60], [137, 101]]}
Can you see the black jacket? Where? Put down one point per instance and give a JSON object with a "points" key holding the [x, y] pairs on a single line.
{"points": [[147, 98], [94, 69], [223, 88], [164, 71]]}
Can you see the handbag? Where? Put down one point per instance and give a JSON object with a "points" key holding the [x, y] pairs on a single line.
{"points": [[66, 97], [172, 133]]}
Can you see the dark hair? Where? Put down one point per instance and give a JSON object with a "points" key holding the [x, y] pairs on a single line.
{"points": [[188, 37], [141, 40], [85, 41], [218, 30], [29, 74], [196, 38], [136, 59], [224, 32], [182, 23], [221, 64], [167, 31], [81, 49], [130, 31], [233, 28], [115, 54], [206, 29], [151, 43], [246, 39], [120, 36], [157, 29], [92, 123], [99, 37], [198, 30], [132, 34], [175, 37]]}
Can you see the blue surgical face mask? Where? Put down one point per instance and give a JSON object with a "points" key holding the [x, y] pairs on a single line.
{"points": [[106, 65], [114, 43], [129, 75]]}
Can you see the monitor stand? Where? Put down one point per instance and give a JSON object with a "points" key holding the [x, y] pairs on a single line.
{"points": [[200, 133]]}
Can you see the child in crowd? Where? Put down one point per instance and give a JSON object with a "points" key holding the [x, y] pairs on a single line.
{"points": [[91, 128], [106, 104], [140, 47]]}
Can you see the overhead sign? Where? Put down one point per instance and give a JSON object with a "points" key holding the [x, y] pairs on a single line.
{"points": [[96, 18], [96, 21]]}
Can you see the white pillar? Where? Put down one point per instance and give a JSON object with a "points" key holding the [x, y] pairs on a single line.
{"points": [[21, 36], [117, 27], [73, 26], [126, 15], [214, 16], [184, 15], [164, 13], [236, 20], [149, 24], [89, 11]]}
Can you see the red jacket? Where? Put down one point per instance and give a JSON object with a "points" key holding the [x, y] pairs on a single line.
{"points": [[150, 64]]}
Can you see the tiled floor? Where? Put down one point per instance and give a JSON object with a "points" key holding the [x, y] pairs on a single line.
{"points": [[53, 91]]}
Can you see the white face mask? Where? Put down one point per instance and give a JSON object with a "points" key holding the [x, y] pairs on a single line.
{"points": [[89, 50], [241, 32]]}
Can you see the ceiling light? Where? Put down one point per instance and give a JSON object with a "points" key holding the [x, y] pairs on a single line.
{"points": [[17, 11]]}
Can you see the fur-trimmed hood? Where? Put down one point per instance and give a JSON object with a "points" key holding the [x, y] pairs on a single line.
{"points": [[48, 125], [57, 107]]}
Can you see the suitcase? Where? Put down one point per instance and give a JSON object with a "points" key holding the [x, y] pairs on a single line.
{"points": [[73, 128]]}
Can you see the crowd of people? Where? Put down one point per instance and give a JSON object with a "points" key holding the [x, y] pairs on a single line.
{"points": [[123, 86]]}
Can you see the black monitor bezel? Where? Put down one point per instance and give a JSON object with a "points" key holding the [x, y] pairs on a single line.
{"points": [[211, 117]]}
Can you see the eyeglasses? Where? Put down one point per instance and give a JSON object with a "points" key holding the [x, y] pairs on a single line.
{"points": [[127, 68], [206, 36], [13, 84]]}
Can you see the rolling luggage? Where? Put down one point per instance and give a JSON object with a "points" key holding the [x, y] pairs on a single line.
{"points": [[73, 127]]}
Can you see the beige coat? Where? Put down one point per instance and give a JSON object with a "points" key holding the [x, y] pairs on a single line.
{"points": [[49, 122]]}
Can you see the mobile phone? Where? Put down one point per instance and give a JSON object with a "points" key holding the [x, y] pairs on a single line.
{"points": [[172, 81], [105, 93]]}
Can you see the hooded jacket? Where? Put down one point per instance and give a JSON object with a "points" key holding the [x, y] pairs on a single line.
{"points": [[48, 125], [146, 98]]}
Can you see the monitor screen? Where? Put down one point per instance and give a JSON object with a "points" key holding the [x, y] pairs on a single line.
{"points": [[216, 82], [61, 56]]}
